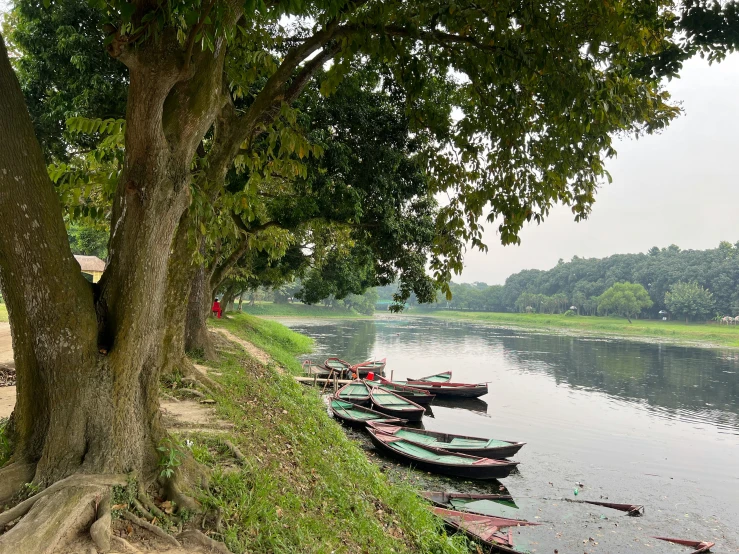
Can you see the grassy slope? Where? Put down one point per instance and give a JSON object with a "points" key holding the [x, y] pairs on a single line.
{"points": [[305, 487], [674, 331], [297, 310]]}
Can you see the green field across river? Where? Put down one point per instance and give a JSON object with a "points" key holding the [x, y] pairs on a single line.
{"points": [[696, 334]]}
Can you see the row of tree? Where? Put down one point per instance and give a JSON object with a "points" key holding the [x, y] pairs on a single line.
{"points": [[688, 283]]}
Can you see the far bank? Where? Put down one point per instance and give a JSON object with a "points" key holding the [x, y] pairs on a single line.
{"points": [[706, 335]]}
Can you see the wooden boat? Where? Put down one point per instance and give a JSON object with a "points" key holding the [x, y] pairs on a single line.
{"points": [[478, 528], [702, 546], [485, 448], [494, 521], [369, 366], [462, 390], [356, 392], [483, 504], [341, 367], [630, 509], [388, 402], [443, 377], [441, 461], [421, 397], [358, 416]]}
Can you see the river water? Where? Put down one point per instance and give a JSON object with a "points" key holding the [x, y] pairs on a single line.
{"points": [[632, 422]]}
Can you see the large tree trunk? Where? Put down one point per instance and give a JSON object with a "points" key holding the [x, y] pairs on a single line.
{"points": [[198, 311], [88, 357], [52, 315]]}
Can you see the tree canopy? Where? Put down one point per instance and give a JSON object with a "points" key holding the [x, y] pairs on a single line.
{"points": [[625, 299], [689, 300]]}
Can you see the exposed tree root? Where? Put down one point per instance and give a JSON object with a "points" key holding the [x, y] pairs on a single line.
{"points": [[180, 499], [194, 392], [143, 511], [191, 372], [161, 533], [238, 454], [100, 529], [58, 513], [122, 545], [194, 536], [149, 505], [12, 478], [72, 481]]}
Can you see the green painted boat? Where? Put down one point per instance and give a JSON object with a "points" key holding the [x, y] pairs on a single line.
{"points": [[476, 446], [388, 402], [356, 392], [421, 397], [441, 461], [498, 505], [444, 377], [358, 416]]}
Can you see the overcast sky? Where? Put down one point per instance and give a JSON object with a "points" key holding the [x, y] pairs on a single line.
{"points": [[679, 187]]}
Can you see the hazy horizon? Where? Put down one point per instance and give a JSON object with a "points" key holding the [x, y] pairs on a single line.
{"points": [[677, 187]]}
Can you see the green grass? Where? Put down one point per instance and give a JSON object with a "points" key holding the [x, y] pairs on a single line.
{"points": [[305, 487], [3, 313], [282, 344], [704, 334], [297, 310], [5, 447]]}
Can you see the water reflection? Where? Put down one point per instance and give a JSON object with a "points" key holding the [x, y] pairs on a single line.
{"points": [[692, 384]]}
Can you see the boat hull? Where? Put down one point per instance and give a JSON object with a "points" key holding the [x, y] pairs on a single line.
{"points": [[358, 423], [410, 410], [478, 472], [444, 390], [445, 440]]}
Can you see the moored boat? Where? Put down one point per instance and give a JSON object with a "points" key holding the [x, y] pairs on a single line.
{"points": [[483, 504], [461, 390], [481, 528], [358, 416], [441, 461], [485, 448], [421, 397], [356, 392], [369, 366], [388, 402], [443, 377], [338, 366]]}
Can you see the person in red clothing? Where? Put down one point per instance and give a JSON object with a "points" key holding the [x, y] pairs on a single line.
{"points": [[216, 308]]}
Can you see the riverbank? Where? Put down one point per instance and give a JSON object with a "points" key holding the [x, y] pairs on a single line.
{"points": [[302, 486], [269, 309], [676, 332]]}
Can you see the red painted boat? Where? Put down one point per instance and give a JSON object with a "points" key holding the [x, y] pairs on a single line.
{"points": [[369, 366], [702, 546], [460, 390], [479, 528], [630, 509]]}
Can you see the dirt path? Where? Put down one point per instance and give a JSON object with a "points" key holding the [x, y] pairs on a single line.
{"points": [[7, 394], [257, 353]]}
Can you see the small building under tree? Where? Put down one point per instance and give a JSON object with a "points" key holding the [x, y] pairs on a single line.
{"points": [[92, 267]]}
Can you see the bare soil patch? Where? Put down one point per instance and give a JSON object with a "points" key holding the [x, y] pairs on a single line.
{"points": [[253, 351]]}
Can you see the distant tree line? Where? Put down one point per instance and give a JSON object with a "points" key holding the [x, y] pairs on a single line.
{"points": [[692, 284]]}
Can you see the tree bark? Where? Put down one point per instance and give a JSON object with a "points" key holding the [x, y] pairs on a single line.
{"points": [[198, 311], [88, 357]]}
